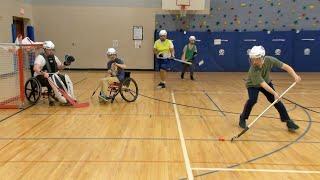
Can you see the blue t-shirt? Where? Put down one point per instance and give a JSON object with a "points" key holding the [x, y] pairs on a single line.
{"points": [[120, 72]]}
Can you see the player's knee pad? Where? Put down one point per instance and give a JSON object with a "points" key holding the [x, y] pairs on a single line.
{"points": [[57, 83], [69, 86]]}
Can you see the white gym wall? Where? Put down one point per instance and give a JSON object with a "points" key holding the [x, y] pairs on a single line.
{"points": [[86, 30], [8, 9]]}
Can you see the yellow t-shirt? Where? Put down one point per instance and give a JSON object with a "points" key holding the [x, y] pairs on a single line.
{"points": [[163, 47]]}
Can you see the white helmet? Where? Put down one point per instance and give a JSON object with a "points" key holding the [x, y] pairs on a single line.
{"points": [[111, 51], [257, 52], [48, 45], [163, 33], [192, 38]]}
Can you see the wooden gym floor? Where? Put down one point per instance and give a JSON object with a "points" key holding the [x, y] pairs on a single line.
{"points": [[140, 140]]}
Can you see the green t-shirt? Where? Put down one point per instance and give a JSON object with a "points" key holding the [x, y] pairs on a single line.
{"points": [[258, 75]]}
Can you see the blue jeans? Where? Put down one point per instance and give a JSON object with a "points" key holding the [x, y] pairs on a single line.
{"points": [[253, 93]]}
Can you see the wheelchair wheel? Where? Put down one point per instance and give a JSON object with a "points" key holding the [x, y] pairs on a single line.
{"points": [[32, 90], [129, 90]]}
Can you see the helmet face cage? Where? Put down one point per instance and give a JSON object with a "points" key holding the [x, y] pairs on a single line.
{"points": [[109, 55], [250, 59]]}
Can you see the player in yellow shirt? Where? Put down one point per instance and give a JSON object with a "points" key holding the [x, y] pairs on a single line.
{"points": [[164, 50]]}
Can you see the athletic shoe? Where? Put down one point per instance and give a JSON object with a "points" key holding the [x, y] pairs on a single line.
{"points": [[161, 85], [242, 123], [51, 101], [103, 98], [292, 126]]}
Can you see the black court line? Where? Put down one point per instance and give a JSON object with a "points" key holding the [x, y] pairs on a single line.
{"points": [[151, 115], [5, 118], [208, 109], [28, 129], [215, 104], [267, 154], [151, 161], [288, 110], [301, 105], [148, 139], [288, 80], [23, 133]]}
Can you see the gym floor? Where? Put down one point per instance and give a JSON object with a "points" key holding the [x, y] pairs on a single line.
{"points": [[141, 140]]}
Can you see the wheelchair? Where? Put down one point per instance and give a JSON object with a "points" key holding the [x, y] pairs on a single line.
{"points": [[33, 90], [127, 88]]}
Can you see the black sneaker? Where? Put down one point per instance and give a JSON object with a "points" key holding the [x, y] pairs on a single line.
{"points": [[191, 77], [51, 103], [51, 100], [161, 85], [182, 76], [242, 123], [292, 126]]}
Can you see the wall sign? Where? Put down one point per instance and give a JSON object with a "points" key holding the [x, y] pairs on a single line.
{"points": [[137, 32]]}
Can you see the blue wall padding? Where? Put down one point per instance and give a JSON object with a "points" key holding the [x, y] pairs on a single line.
{"points": [[221, 56], [14, 32], [302, 60], [280, 45], [231, 55], [30, 32], [245, 41]]}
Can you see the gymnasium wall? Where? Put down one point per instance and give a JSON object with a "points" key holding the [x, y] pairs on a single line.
{"points": [[86, 29], [111, 3], [241, 22], [8, 9], [248, 15]]}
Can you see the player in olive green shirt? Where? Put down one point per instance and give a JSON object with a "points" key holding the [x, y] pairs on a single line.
{"points": [[259, 81], [189, 53]]}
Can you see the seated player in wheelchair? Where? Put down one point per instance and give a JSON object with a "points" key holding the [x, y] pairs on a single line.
{"points": [[115, 74], [47, 66]]}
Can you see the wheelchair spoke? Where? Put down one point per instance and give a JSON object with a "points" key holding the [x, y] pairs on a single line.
{"points": [[29, 95], [34, 96], [132, 93], [32, 85], [34, 88]]}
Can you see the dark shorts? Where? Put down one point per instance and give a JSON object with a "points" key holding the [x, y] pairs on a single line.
{"points": [[164, 64]]}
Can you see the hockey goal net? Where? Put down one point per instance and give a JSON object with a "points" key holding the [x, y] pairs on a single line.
{"points": [[16, 62]]}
